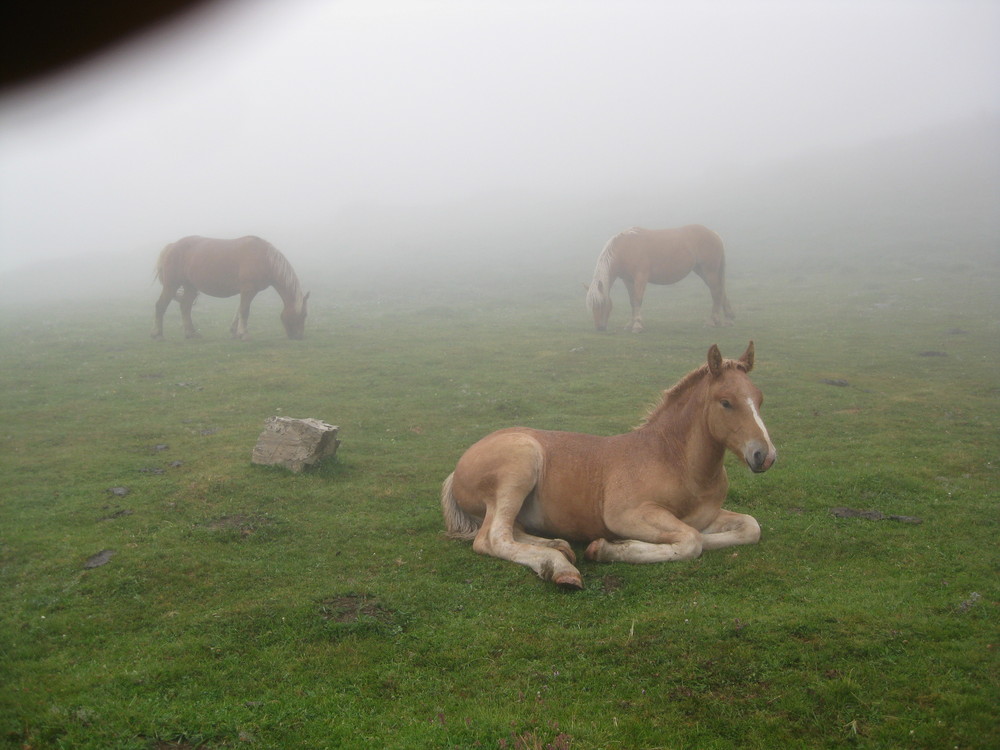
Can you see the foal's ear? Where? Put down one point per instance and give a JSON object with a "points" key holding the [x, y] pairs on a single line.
{"points": [[747, 357], [714, 360]]}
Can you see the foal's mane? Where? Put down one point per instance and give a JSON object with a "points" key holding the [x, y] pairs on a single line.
{"points": [[682, 386]]}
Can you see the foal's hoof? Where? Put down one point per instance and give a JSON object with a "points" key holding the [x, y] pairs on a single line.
{"points": [[594, 550], [568, 580], [566, 550]]}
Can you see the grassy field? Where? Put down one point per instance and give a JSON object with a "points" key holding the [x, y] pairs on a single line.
{"points": [[244, 606]]}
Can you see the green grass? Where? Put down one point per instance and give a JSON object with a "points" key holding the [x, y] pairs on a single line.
{"points": [[246, 606]]}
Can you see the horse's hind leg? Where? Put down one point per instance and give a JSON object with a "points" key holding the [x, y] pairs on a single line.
{"points": [[187, 299], [161, 308], [240, 322], [520, 535], [715, 281], [499, 536], [513, 463], [551, 559]]}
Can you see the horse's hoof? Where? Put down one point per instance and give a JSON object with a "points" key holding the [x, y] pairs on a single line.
{"points": [[569, 581], [594, 550], [567, 551]]}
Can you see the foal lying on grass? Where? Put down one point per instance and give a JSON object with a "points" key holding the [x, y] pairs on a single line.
{"points": [[651, 494]]}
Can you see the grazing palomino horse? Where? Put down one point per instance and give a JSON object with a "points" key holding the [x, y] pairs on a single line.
{"points": [[651, 494], [224, 268], [658, 256]]}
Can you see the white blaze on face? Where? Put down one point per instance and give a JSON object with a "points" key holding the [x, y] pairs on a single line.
{"points": [[760, 423]]}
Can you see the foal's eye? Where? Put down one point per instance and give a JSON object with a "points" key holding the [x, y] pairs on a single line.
{"points": [[725, 404]]}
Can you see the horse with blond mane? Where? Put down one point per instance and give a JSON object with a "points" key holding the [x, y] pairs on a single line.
{"points": [[658, 256], [225, 268], [652, 494]]}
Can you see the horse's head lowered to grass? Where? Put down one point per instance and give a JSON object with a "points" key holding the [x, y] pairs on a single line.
{"points": [[293, 317]]}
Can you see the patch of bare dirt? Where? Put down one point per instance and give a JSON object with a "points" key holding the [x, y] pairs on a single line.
{"points": [[348, 608]]}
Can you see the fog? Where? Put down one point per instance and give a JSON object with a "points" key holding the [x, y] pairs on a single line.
{"points": [[346, 131]]}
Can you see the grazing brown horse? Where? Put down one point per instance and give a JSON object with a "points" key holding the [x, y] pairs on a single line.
{"points": [[658, 256], [225, 268], [651, 494]]}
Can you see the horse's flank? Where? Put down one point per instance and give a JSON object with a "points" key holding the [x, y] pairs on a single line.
{"points": [[224, 268], [658, 256]]}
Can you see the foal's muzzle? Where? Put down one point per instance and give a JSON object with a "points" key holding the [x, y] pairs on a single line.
{"points": [[759, 456]]}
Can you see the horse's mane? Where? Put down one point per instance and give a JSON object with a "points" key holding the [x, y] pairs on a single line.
{"points": [[682, 386], [600, 286], [284, 274]]}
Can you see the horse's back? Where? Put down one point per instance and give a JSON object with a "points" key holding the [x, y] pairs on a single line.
{"points": [[690, 235], [668, 255], [217, 267]]}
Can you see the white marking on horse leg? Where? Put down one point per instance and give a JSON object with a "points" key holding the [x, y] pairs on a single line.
{"points": [[729, 529], [500, 538], [634, 551], [561, 545], [550, 562]]}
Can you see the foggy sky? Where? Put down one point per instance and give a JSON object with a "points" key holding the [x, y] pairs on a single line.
{"points": [[277, 117]]}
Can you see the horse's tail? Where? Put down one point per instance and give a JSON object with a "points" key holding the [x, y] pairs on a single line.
{"points": [[710, 253], [458, 524], [600, 286], [161, 261], [722, 253]]}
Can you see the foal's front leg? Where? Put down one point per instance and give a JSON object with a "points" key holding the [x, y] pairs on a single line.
{"points": [[652, 534], [729, 529], [649, 533]]}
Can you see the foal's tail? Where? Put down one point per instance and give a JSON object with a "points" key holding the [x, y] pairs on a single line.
{"points": [[458, 524]]}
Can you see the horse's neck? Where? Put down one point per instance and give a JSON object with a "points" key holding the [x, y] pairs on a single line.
{"points": [[606, 270], [290, 293], [679, 423]]}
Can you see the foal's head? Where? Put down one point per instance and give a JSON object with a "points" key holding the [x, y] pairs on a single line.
{"points": [[733, 409]]}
